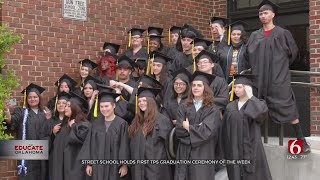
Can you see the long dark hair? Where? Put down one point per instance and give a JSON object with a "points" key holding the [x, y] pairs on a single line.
{"points": [[40, 105], [163, 75], [207, 97], [76, 112], [145, 120], [186, 93]]}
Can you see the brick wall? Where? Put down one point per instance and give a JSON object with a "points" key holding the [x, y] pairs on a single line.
{"points": [[314, 13], [53, 46], [8, 170]]}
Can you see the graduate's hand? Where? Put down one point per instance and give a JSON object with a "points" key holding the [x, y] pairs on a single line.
{"points": [[220, 30], [7, 106], [123, 170], [185, 124], [94, 94], [47, 112], [248, 90], [174, 122], [89, 170], [112, 83], [118, 90], [56, 129], [71, 122]]}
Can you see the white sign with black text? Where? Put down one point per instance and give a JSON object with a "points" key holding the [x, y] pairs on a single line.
{"points": [[75, 9]]}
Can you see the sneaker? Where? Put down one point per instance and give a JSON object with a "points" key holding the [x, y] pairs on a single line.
{"points": [[306, 147]]}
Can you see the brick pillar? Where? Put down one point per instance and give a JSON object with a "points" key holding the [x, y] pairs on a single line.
{"points": [[8, 170], [314, 13]]}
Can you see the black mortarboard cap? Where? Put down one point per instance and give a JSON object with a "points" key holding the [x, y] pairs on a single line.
{"points": [[183, 74], [79, 100], [114, 48], [175, 29], [104, 88], [92, 81], [64, 95], [268, 5], [245, 79], [202, 42], [108, 97], [155, 31], [155, 38], [67, 79], [88, 63], [148, 92], [190, 32], [239, 25], [206, 54], [149, 81], [220, 20], [204, 77], [161, 58], [125, 61], [33, 88], [141, 63], [136, 31]]}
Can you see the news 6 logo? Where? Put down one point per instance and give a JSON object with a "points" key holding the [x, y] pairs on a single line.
{"points": [[295, 146]]}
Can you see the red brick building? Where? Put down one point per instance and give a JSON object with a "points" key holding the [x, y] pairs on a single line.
{"points": [[53, 45]]}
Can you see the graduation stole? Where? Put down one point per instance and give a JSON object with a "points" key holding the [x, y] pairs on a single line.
{"points": [[22, 168], [238, 61]]}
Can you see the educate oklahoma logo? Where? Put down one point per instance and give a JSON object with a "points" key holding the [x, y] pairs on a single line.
{"points": [[24, 149]]}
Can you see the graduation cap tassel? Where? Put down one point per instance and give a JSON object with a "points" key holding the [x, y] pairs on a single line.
{"points": [[80, 65], [151, 65], [232, 90], [25, 99], [117, 72], [148, 66], [194, 60], [129, 43], [148, 43], [169, 38], [229, 35], [136, 103], [55, 104], [95, 111]]}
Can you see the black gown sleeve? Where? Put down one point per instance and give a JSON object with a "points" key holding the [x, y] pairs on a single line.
{"points": [[124, 151], [16, 118], [78, 132], [255, 109]]}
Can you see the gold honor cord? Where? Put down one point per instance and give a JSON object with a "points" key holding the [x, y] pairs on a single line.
{"points": [[194, 60], [25, 98], [95, 111], [169, 38], [129, 43], [229, 35], [56, 102], [232, 90], [136, 103], [148, 49], [151, 67]]}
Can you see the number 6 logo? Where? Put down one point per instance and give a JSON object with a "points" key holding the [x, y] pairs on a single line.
{"points": [[295, 146]]}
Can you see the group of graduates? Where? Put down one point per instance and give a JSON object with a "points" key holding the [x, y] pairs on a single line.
{"points": [[126, 109]]}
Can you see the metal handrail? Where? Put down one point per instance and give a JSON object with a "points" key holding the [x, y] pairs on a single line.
{"points": [[305, 73]]}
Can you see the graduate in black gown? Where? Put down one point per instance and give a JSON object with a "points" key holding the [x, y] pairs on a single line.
{"points": [[174, 33], [125, 66], [86, 68], [201, 44], [141, 68], [154, 38], [241, 133], [205, 62], [148, 133], [69, 140], [180, 91], [135, 44], [90, 92], [107, 63], [218, 27], [64, 84], [197, 130], [54, 124], [232, 59], [32, 117], [107, 140], [184, 59], [270, 51]]}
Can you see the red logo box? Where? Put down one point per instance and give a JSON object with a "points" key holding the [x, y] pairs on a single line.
{"points": [[295, 146]]}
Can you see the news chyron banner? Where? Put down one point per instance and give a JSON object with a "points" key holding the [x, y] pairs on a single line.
{"points": [[24, 149]]}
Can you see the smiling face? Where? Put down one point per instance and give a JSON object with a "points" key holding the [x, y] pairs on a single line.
{"points": [[67, 110], [33, 100], [157, 68], [142, 103], [84, 72], [107, 108], [61, 105], [154, 45], [88, 90], [236, 37], [205, 65], [197, 88], [197, 50], [179, 86]]}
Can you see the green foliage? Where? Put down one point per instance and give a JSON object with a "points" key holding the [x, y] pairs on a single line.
{"points": [[8, 80]]}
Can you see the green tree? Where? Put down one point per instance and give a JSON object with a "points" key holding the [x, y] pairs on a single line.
{"points": [[8, 80]]}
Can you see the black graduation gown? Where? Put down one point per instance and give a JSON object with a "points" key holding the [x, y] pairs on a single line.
{"points": [[269, 58], [216, 46], [102, 145], [105, 79], [51, 104], [36, 170], [142, 53], [199, 143], [151, 147], [181, 61], [242, 140], [225, 56], [220, 92], [172, 107], [67, 145], [217, 70]]}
